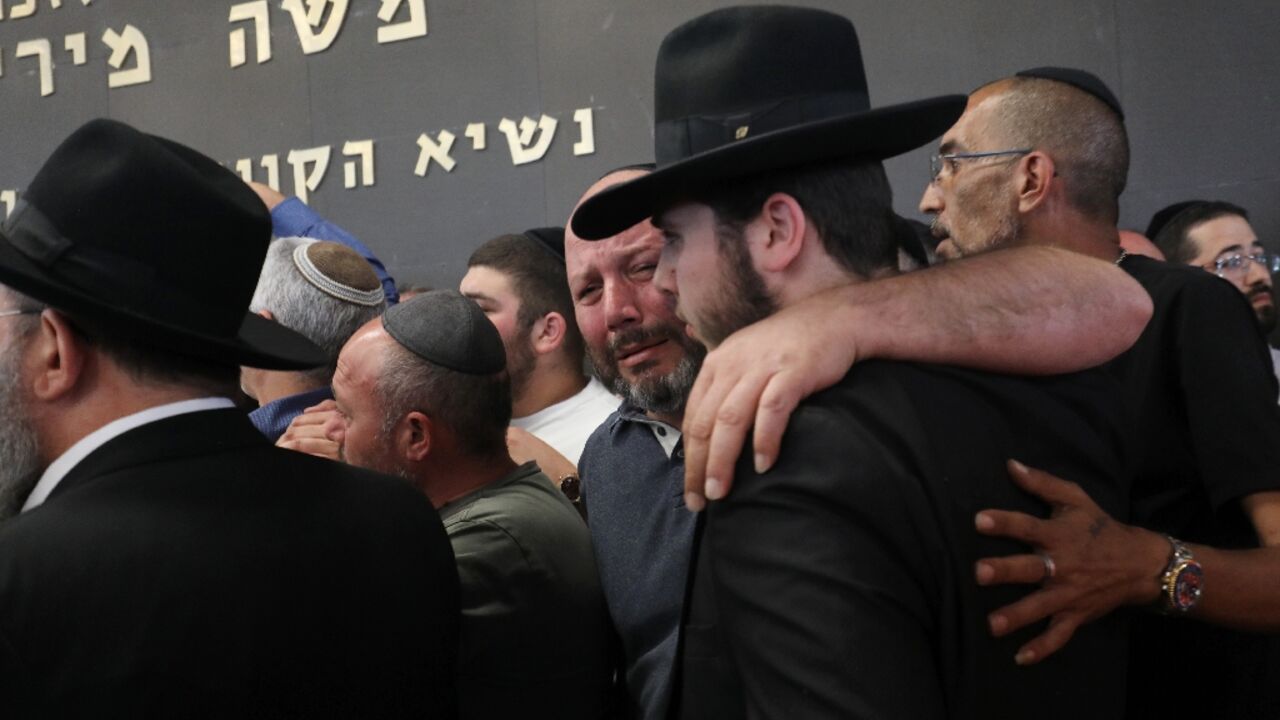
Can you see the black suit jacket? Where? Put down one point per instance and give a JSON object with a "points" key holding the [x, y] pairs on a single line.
{"points": [[840, 583], [188, 568]]}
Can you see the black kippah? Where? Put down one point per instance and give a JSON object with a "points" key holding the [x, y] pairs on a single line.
{"points": [[550, 239], [1166, 215], [448, 329], [1079, 79]]}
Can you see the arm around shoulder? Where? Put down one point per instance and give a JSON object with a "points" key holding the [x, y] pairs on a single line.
{"points": [[1027, 310], [1030, 310]]}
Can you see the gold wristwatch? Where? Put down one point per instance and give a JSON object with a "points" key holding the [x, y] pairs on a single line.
{"points": [[1182, 582]]}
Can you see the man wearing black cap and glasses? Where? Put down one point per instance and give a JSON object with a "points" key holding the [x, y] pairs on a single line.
{"points": [[1207, 430], [838, 584], [168, 560], [1216, 235], [1041, 158]]}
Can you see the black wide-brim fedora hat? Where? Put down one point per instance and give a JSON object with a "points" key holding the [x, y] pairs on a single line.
{"points": [[151, 241], [745, 90]]}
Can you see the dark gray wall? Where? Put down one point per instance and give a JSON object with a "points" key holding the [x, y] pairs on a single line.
{"points": [[1196, 79]]}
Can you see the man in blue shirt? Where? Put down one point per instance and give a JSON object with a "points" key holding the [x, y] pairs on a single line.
{"points": [[323, 290], [290, 217]]}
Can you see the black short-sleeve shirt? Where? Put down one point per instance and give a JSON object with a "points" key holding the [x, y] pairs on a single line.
{"points": [[1207, 428], [1207, 425]]}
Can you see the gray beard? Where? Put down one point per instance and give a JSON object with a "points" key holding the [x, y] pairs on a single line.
{"points": [[664, 395], [19, 460]]}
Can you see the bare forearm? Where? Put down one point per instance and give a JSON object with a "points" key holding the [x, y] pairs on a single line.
{"points": [[1241, 588], [1025, 310]]}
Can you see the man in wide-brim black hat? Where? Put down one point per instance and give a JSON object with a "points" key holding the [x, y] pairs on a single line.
{"points": [[838, 584], [168, 560]]}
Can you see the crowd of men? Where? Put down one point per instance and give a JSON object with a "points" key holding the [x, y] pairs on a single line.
{"points": [[708, 451]]}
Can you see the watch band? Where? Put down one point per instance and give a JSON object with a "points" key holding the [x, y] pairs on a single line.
{"points": [[1182, 582]]}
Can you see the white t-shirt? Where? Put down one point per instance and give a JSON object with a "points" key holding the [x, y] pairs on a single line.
{"points": [[566, 425], [1275, 362]]}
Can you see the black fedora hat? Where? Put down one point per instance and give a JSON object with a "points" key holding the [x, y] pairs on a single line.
{"points": [[149, 240], [749, 89]]}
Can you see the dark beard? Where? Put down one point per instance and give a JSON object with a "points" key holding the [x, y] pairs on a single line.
{"points": [[1267, 315], [1267, 320], [743, 300], [520, 362]]}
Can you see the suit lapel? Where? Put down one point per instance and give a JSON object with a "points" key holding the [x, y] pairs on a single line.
{"points": [[182, 436]]}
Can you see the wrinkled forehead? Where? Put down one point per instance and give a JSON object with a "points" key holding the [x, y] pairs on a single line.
{"points": [[583, 258]]}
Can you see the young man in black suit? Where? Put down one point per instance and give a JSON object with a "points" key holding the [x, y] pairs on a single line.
{"points": [[839, 583], [168, 561]]}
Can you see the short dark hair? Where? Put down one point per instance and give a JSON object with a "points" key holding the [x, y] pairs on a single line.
{"points": [[538, 279], [1085, 138], [1174, 239], [849, 203], [477, 408]]}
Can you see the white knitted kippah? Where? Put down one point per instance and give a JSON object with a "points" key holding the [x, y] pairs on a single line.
{"points": [[328, 285]]}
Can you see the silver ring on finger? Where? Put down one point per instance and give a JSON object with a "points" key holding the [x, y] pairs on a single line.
{"points": [[1050, 569]]}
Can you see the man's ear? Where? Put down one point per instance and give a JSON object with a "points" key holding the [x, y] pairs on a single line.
{"points": [[785, 226], [547, 333], [267, 314], [1036, 177], [59, 354], [415, 436]]}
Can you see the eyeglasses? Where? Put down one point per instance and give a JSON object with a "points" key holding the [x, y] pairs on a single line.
{"points": [[18, 311], [938, 163], [1237, 265]]}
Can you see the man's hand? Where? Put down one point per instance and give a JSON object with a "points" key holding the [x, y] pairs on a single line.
{"points": [[269, 195], [1098, 564], [525, 446], [318, 431], [757, 377]]}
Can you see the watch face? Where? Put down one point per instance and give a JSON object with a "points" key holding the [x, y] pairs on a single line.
{"points": [[1187, 588], [572, 488]]}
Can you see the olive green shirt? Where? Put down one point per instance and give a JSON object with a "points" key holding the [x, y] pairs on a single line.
{"points": [[535, 629]]}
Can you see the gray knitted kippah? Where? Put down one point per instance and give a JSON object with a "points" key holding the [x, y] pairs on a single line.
{"points": [[338, 271], [448, 329]]}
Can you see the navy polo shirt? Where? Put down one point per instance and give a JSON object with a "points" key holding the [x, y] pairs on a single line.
{"points": [[633, 483]]}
